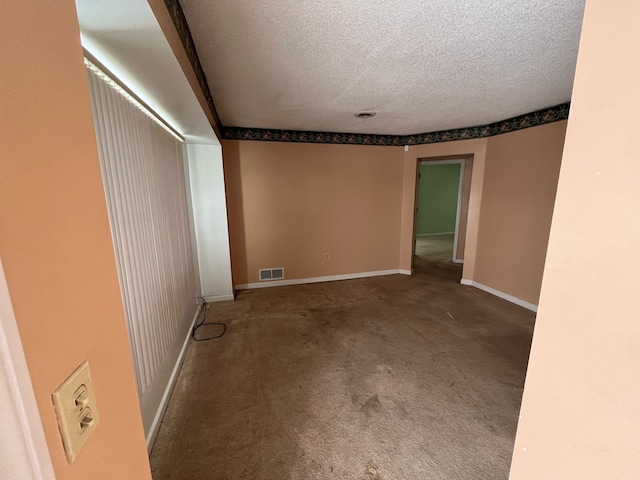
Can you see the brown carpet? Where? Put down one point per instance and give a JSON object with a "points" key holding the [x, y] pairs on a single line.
{"points": [[391, 377]]}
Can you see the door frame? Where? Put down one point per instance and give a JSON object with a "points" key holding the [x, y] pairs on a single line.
{"points": [[29, 454], [428, 162]]}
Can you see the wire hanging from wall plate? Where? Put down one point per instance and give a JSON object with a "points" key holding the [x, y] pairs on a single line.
{"points": [[200, 323]]}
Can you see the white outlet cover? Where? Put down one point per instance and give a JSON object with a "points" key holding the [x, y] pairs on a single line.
{"points": [[76, 410]]}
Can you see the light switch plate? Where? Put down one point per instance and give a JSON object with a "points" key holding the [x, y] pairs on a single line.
{"points": [[75, 404]]}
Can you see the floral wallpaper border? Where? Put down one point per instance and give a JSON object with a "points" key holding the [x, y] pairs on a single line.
{"points": [[180, 22], [533, 119]]}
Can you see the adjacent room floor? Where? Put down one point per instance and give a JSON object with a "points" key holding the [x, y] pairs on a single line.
{"points": [[435, 247], [393, 377]]}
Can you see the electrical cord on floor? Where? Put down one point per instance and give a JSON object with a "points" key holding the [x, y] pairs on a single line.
{"points": [[203, 322]]}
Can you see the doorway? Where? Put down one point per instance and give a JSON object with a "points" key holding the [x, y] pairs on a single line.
{"points": [[442, 197]]}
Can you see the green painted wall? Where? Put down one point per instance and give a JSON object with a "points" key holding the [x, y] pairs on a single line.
{"points": [[438, 198]]}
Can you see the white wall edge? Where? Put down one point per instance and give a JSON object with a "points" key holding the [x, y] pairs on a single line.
{"points": [[498, 293], [152, 433], [206, 174], [25, 451], [329, 278], [218, 298]]}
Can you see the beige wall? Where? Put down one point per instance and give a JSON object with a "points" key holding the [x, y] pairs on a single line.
{"points": [[580, 413], [289, 204], [520, 181], [55, 242]]}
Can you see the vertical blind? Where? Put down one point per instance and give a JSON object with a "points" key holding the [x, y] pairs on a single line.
{"points": [[144, 181]]}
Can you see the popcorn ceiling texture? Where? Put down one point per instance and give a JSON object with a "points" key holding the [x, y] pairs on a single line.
{"points": [[423, 66]]}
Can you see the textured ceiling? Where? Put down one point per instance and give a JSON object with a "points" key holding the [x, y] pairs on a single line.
{"points": [[421, 65]]}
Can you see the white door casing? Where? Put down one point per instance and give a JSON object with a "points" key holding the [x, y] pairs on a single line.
{"points": [[24, 454]]}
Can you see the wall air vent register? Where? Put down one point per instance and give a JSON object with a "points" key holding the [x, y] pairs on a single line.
{"points": [[266, 274]]}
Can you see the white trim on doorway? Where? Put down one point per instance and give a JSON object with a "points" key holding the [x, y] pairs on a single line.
{"points": [[25, 451], [461, 162]]}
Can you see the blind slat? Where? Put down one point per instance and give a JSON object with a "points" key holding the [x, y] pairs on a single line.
{"points": [[144, 181]]}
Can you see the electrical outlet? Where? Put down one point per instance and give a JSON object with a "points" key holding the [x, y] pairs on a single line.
{"points": [[75, 404]]}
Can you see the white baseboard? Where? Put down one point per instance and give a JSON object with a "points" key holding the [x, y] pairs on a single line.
{"points": [[434, 234], [218, 298], [498, 293], [458, 260], [329, 278], [155, 399]]}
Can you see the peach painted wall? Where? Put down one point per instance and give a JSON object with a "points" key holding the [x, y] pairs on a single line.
{"points": [[520, 181], [464, 207], [55, 242], [289, 204], [580, 417]]}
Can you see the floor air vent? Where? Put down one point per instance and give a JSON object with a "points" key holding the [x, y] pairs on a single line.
{"points": [[271, 274]]}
